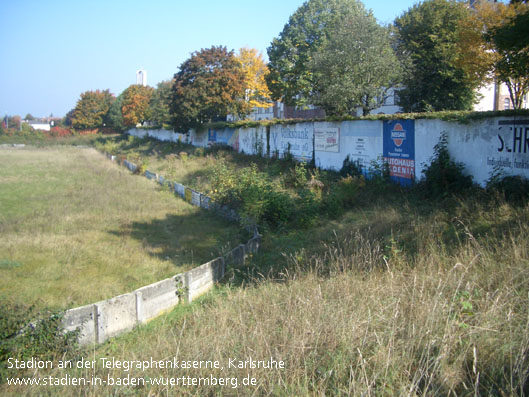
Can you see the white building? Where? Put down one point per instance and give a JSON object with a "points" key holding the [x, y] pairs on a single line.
{"points": [[141, 77], [496, 97], [39, 125], [390, 104]]}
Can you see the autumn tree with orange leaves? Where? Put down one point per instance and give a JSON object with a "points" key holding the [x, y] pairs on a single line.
{"points": [[135, 107], [487, 54], [91, 109], [209, 86]]}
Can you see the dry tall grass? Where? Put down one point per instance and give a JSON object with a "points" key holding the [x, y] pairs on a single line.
{"points": [[368, 317]]}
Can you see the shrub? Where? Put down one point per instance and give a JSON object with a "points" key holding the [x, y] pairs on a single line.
{"points": [[59, 132], [351, 167], [443, 176], [379, 172], [25, 334], [512, 188], [343, 195], [252, 193], [297, 177]]}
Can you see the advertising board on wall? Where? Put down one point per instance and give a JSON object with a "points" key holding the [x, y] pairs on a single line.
{"points": [[226, 136], [512, 145], [399, 150], [296, 139], [327, 139]]}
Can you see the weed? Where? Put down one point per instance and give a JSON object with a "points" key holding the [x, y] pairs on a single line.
{"points": [[444, 177], [351, 167], [26, 334]]}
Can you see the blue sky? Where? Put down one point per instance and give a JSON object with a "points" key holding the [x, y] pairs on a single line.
{"points": [[53, 50]]}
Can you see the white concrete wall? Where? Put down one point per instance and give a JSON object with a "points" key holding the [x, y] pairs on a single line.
{"points": [[481, 145], [298, 137], [162, 135], [252, 140], [198, 138], [361, 140]]}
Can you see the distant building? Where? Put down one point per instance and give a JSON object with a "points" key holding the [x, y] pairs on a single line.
{"points": [[39, 125], [141, 77], [496, 97]]}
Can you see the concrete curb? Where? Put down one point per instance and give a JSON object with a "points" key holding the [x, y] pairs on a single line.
{"points": [[102, 320]]}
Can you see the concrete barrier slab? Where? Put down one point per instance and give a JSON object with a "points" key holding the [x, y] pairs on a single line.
{"points": [[200, 279], [252, 247], [195, 198], [154, 299], [188, 195], [236, 256], [180, 189], [83, 318], [205, 202], [115, 316], [131, 166], [150, 175]]}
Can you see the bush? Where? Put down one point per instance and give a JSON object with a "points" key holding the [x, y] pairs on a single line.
{"points": [[513, 188], [25, 334], [443, 176], [343, 195], [297, 177], [351, 167], [59, 132], [252, 193]]}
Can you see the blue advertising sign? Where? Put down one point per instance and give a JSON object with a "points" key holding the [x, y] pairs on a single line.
{"points": [[212, 135], [399, 150]]}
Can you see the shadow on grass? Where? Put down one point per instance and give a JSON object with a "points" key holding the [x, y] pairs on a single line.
{"points": [[185, 240]]}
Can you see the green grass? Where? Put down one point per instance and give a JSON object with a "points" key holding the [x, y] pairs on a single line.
{"points": [[186, 164], [401, 295], [76, 228], [393, 298]]}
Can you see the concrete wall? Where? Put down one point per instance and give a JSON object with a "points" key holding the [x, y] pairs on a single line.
{"points": [[102, 320], [162, 135], [483, 146], [294, 138]]}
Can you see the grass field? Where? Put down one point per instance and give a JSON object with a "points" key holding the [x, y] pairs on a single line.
{"points": [[400, 295], [398, 301], [76, 228]]}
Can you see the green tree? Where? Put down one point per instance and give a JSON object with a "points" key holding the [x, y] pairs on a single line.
{"points": [[91, 109], [135, 107], [355, 67], [290, 78], [511, 43], [494, 45], [208, 87], [161, 102], [68, 118], [29, 117], [114, 116], [428, 35]]}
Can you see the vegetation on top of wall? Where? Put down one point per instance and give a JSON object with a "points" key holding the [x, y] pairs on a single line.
{"points": [[462, 117]]}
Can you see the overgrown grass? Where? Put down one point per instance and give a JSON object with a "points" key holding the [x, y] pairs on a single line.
{"points": [[276, 193], [42, 138], [398, 300], [76, 228], [403, 294]]}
